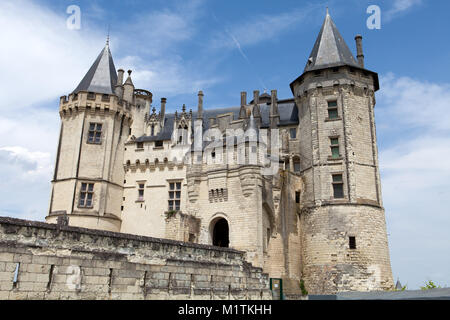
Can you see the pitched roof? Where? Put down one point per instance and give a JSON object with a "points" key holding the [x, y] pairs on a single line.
{"points": [[102, 76], [287, 108], [330, 49]]}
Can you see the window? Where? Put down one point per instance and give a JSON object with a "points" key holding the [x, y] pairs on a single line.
{"points": [[141, 192], [352, 242], [174, 196], [334, 148], [338, 186], [86, 195], [296, 165], [293, 133], [105, 97], [95, 133], [139, 145], [253, 149], [158, 143], [297, 196], [332, 110], [91, 96], [317, 73], [213, 154], [335, 70], [153, 130]]}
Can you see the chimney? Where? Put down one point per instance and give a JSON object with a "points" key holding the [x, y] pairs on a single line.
{"points": [[200, 105], [120, 73], [274, 103], [359, 50], [243, 98], [274, 115], [163, 109], [256, 96]]}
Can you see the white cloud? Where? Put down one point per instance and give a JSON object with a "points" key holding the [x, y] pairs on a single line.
{"points": [[257, 28], [400, 6], [415, 174], [40, 59], [167, 76]]}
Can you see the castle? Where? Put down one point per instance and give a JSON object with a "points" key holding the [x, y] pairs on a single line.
{"points": [[294, 183]]}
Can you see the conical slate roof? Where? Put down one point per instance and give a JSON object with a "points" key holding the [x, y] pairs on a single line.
{"points": [[330, 49], [102, 76]]}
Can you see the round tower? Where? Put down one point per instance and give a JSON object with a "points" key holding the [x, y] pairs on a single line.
{"points": [[343, 228], [87, 185]]}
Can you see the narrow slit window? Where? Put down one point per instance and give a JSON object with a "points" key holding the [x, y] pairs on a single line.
{"points": [[352, 242], [293, 133], [141, 192]]}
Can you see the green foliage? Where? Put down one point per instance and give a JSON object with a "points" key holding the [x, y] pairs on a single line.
{"points": [[170, 213], [302, 288], [430, 285]]}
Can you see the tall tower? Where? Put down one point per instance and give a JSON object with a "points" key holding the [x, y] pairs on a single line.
{"points": [[343, 236], [88, 180]]}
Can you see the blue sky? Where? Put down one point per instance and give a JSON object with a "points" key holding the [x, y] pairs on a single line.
{"points": [[176, 48]]}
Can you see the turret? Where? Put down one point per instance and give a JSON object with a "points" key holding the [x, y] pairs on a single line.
{"points": [[128, 89], [342, 197], [88, 169]]}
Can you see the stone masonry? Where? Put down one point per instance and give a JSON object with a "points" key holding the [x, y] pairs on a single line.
{"points": [[49, 261]]}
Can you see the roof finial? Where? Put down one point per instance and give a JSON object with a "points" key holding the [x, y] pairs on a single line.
{"points": [[107, 37]]}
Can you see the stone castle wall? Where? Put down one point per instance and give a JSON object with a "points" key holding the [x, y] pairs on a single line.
{"points": [[49, 261], [330, 265]]}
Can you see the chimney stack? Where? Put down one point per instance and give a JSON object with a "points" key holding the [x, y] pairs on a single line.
{"points": [[274, 115], [120, 73], [200, 105], [256, 96], [163, 109], [359, 50], [243, 98]]}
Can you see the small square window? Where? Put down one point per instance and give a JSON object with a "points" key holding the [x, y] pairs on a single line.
{"points": [[140, 145], [158, 143]]}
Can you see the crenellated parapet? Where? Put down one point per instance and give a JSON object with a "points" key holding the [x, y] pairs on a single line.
{"points": [[94, 103]]}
